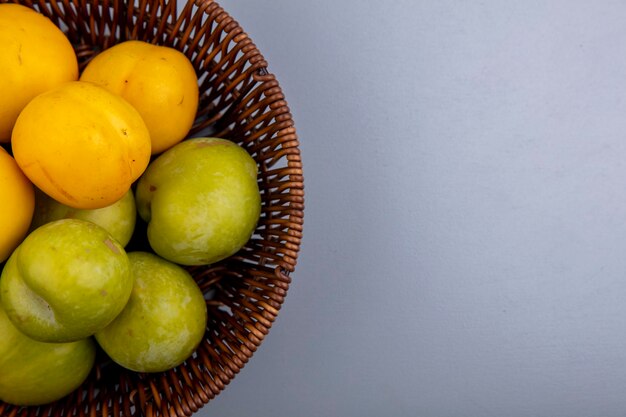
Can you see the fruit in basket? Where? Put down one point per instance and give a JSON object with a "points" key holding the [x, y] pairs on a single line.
{"points": [[35, 373], [118, 219], [163, 322], [201, 201], [160, 82], [81, 144], [35, 57], [16, 210], [67, 280]]}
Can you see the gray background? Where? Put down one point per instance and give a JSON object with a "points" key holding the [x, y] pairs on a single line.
{"points": [[465, 223]]}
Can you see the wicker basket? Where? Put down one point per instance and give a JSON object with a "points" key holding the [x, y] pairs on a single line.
{"points": [[242, 101]]}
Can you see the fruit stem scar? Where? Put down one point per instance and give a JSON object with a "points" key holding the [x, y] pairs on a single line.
{"points": [[111, 246]]}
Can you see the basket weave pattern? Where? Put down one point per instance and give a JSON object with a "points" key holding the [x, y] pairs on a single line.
{"points": [[239, 100]]}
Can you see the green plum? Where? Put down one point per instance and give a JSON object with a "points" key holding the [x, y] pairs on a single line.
{"points": [[67, 280], [201, 201], [118, 219], [35, 373], [163, 322]]}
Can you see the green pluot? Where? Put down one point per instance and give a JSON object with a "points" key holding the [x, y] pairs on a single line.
{"points": [[163, 322], [201, 201], [67, 280], [35, 373], [118, 219]]}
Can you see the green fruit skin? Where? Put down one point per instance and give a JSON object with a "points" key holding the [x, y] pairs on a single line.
{"points": [[36, 373], [118, 219], [163, 322], [201, 201], [67, 280]]}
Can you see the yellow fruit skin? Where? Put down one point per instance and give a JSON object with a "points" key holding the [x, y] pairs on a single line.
{"points": [[18, 203], [81, 145], [158, 81], [35, 56]]}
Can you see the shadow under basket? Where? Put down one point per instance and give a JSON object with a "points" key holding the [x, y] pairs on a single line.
{"points": [[241, 101]]}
